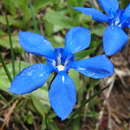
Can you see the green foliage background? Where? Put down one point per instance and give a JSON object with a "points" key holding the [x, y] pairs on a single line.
{"points": [[52, 18]]}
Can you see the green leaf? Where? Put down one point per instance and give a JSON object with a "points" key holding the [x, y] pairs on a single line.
{"points": [[98, 30], [75, 76], [4, 41], [41, 101], [76, 2], [11, 19], [4, 82], [38, 4], [29, 118], [9, 5], [51, 124], [85, 53], [76, 124], [91, 114], [58, 19]]}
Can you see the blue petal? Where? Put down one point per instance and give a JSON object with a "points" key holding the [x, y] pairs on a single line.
{"points": [[95, 67], [36, 44], [126, 13], [94, 13], [62, 95], [114, 39], [110, 6], [30, 78], [77, 39]]}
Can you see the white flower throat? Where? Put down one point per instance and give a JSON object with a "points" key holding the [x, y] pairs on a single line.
{"points": [[61, 60], [60, 67]]}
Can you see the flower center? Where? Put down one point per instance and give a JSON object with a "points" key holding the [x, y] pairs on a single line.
{"points": [[60, 67], [118, 19], [61, 60]]}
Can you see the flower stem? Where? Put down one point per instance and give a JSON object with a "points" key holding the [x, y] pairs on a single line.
{"points": [[5, 68], [34, 21], [11, 46]]}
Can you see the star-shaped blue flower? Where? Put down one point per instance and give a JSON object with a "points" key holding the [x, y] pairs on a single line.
{"points": [[114, 37], [62, 93]]}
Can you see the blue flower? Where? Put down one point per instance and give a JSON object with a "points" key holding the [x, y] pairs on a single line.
{"points": [[62, 93], [114, 38]]}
